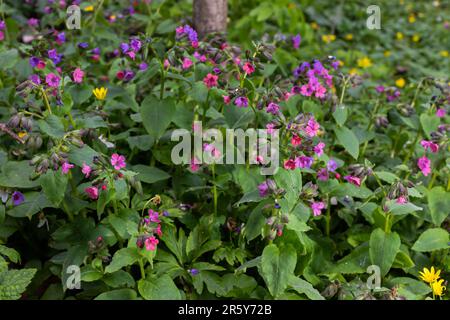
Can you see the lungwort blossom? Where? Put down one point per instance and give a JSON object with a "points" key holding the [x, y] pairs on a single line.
{"points": [[424, 165], [78, 75], [263, 189], [429, 145], [312, 127], [303, 162], [296, 40], [86, 170], [318, 149], [17, 198], [118, 161], [248, 68], [52, 80], [153, 216], [210, 80], [353, 180], [151, 243], [241, 102], [65, 168], [187, 63], [273, 108], [440, 113], [317, 208], [92, 192]]}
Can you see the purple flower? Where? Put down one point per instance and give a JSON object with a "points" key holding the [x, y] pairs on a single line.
{"points": [[35, 79], [83, 45], [217, 71], [273, 108], [128, 75], [2, 25], [135, 44], [95, 51], [263, 189], [124, 47], [331, 165], [296, 40], [153, 216], [193, 271], [61, 37], [17, 198], [335, 65], [241, 102], [304, 162], [379, 89], [322, 174], [52, 80], [33, 22], [143, 66], [34, 61], [191, 33], [54, 56], [317, 208]]}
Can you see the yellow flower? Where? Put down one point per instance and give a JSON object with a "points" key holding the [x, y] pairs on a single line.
{"points": [[89, 9], [438, 288], [314, 25], [399, 36], [416, 38], [327, 38], [22, 134], [364, 62], [412, 18], [349, 37], [429, 275], [400, 82], [387, 53], [353, 71], [100, 93], [444, 53]]}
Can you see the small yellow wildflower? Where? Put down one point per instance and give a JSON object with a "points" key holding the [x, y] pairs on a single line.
{"points": [[22, 134], [100, 93], [416, 38], [341, 63], [89, 9], [291, 5], [400, 82], [444, 53], [314, 25], [438, 288], [349, 37], [353, 71], [327, 38], [364, 62], [429, 275], [387, 53], [399, 36], [412, 18]]}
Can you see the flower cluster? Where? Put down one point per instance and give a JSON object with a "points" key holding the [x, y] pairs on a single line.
{"points": [[149, 227]]}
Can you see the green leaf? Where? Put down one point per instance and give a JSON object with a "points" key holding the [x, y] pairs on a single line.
{"points": [[429, 123], [52, 126], [150, 174], [386, 176], [348, 140], [291, 181], [439, 204], [143, 142], [340, 115], [431, 240], [399, 209], [122, 258], [119, 294], [277, 267], [119, 279], [9, 58], [82, 155], [156, 115], [89, 274], [16, 174], [161, 288], [383, 248], [34, 202], [304, 287], [252, 196], [54, 185], [255, 222], [14, 282], [80, 93], [199, 92]]}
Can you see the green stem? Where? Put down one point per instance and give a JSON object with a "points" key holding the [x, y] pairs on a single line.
{"points": [[214, 187], [3, 18], [95, 16], [163, 80], [141, 266], [433, 178], [328, 217], [372, 116], [47, 104]]}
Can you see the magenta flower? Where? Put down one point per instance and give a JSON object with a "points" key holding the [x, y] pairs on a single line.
{"points": [[353, 180], [312, 127], [151, 243], [92, 192], [263, 189], [118, 161], [440, 112], [401, 200], [17, 198], [424, 165], [33, 22], [226, 99], [429, 145], [153, 216], [86, 170], [303, 162], [158, 230], [210, 80], [296, 40], [248, 68], [187, 63], [273, 108], [78, 75], [318, 149], [66, 167], [52, 80], [317, 208], [194, 164], [296, 140], [208, 147], [322, 174], [289, 164]]}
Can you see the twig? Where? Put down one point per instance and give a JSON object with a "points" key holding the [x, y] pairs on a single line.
{"points": [[9, 132]]}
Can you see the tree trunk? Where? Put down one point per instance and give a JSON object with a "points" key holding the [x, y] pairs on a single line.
{"points": [[210, 16]]}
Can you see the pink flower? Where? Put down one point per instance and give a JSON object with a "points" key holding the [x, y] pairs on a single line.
{"points": [[401, 199], [52, 80], [322, 174], [289, 164], [194, 165], [248, 68], [158, 230], [187, 63], [210, 80], [318, 149], [131, 54], [211, 149], [2, 36], [226, 99], [153, 216], [429, 145], [317, 208], [118, 161], [296, 140], [151, 243], [353, 180], [440, 112], [303, 162], [312, 127], [78, 75], [66, 167], [273, 108], [166, 64], [86, 170], [270, 128], [92, 192], [424, 165]]}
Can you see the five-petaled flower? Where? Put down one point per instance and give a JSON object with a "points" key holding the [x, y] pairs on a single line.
{"points": [[118, 161], [100, 93]]}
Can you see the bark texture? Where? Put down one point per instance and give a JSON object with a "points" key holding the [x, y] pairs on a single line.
{"points": [[210, 16]]}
